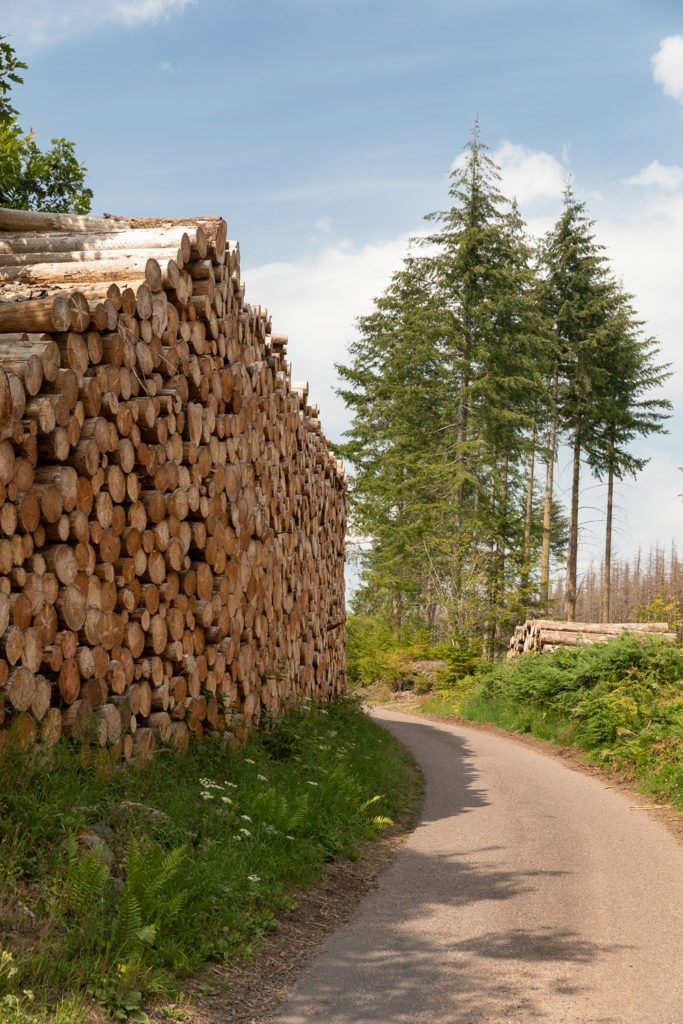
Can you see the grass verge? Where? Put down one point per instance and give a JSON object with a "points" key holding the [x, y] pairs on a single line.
{"points": [[620, 702], [115, 885]]}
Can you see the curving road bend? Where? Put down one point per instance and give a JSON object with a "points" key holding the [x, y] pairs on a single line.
{"points": [[528, 893]]}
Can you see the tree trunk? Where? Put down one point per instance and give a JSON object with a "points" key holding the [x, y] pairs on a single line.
{"points": [[499, 555], [570, 589], [526, 553], [608, 548], [548, 497], [491, 570], [460, 493]]}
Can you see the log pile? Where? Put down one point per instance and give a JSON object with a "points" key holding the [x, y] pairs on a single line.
{"points": [[171, 516], [544, 635]]}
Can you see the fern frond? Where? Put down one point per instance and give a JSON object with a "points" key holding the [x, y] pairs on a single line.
{"points": [[85, 882], [129, 921], [298, 813]]}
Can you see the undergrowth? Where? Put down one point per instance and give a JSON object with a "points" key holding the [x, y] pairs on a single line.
{"points": [[115, 885], [621, 702]]}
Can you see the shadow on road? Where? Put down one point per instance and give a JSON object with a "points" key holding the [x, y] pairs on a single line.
{"points": [[425, 947]]}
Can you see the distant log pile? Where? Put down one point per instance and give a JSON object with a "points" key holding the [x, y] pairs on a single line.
{"points": [[548, 634], [171, 516]]}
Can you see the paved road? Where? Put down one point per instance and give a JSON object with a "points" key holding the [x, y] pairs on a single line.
{"points": [[528, 893]]}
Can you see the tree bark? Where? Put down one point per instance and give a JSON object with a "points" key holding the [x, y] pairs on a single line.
{"points": [[608, 548], [570, 588], [548, 496], [526, 552]]}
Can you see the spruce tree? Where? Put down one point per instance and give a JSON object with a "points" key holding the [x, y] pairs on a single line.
{"points": [[445, 382], [625, 409], [576, 298], [394, 386], [481, 268]]}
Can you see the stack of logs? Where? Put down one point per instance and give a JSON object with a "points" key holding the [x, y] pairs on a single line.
{"points": [[548, 634], [171, 516]]}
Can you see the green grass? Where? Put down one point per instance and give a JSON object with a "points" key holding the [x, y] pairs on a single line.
{"points": [[450, 697], [201, 852], [621, 702]]}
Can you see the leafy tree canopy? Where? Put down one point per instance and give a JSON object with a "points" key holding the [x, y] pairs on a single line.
{"points": [[32, 179]]}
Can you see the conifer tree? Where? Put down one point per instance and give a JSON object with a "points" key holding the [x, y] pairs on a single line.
{"points": [[395, 389], [482, 271], [441, 498], [576, 295], [625, 409]]}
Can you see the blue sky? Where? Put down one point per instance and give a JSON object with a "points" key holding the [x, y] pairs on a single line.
{"points": [[323, 130]]}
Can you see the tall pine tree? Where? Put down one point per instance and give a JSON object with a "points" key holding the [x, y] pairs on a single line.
{"points": [[576, 299], [625, 409]]}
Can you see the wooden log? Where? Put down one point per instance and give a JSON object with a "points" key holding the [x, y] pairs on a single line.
{"points": [[110, 719], [612, 628], [96, 254], [144, 744], [28, 368], [28, 220], [52, 313], [160, 723], [71, 605], [77, 719], [51, 727], [20, 688], [40, 703]]}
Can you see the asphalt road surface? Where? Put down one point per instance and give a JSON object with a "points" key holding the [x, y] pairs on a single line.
{"points": [[527, 893]]}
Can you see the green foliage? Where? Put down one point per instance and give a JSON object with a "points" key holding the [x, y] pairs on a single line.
{"points": [[621, 701], [444, 382], [118, 1000], [86, 878], [207, 848], [10, 66], [151, 900], [464, 657], [662, 608], [479, 358], [377, 655], [32, 179]]}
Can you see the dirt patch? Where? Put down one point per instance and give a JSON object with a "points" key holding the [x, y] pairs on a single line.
{"points": [[250, 992]]}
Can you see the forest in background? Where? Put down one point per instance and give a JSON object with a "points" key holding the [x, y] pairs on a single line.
{"points": [[487, 354], [645, 588]]}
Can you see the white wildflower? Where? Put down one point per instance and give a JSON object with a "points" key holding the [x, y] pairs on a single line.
{"points": [[309, 783], [210, 784], [205, 795], [262, 778], [245, 817], [245, 832], [253, 878], [226, 800]]}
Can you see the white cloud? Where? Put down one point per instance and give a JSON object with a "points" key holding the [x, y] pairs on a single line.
{"points": [[315, 302], [139, 12], [44, 22], [669, 177], [324, 224], [667, 66], [530, 175]]}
